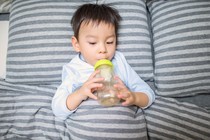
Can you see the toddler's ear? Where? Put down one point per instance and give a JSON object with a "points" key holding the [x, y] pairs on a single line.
{"points": [[75, 44]]}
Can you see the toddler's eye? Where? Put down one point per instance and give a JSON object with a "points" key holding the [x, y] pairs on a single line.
{"points": [[111, 42], [92, 43]]}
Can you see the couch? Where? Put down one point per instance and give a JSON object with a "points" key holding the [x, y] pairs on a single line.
{"points": [[167, 42]]}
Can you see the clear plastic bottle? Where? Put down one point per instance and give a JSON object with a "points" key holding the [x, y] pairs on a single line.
{"points": [[107, 96]]}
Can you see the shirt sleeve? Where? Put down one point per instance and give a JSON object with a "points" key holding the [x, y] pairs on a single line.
{"points": [[133, 80], [59, 107]]}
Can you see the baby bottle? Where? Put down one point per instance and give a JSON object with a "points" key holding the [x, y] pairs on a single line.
{"points": [[107, 96]]}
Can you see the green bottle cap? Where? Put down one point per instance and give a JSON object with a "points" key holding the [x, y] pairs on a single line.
{"points": [[103, 62]]}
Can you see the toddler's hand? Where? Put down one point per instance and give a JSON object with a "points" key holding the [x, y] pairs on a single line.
{"points": [[91, 85], [124, 93]]}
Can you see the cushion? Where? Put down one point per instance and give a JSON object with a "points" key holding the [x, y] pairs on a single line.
{"points": [[5, 6], [4, 28], [181, 39], [40, 32]]}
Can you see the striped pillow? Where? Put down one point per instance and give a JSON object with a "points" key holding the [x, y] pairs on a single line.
{"points": [[40, 32], [181, 35]]}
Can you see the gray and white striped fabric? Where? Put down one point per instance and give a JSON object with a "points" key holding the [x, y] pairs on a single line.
{"points": [[40, 32], [92, 121], [25, 113], [168, 119], [181, 35]]}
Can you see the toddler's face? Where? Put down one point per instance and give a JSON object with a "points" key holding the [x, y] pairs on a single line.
{"points": [[96, 41]]}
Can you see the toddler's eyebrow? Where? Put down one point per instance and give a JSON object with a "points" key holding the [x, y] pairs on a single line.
{"points": [[111, 36], [92, 36]]}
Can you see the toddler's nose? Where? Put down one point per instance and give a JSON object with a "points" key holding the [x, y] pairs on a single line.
{"points": [[102, 48]]}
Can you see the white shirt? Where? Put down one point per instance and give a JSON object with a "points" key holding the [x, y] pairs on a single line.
{"points": [[77, 71]]}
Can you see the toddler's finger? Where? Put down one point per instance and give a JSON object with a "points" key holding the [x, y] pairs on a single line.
{"points": [[92, 96], [95, 86], [125, 103], [94, 74], [118, 80], [122, 96], [119, 86]]}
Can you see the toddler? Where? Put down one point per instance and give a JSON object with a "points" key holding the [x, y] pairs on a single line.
{"points": [[95, 37]]}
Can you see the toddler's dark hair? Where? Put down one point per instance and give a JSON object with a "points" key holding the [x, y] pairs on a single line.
{"points": [[95, 13]]}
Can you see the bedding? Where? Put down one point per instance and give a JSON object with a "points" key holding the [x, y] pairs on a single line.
{"points": [[169, 119], [25, 113], [39, 44]]}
